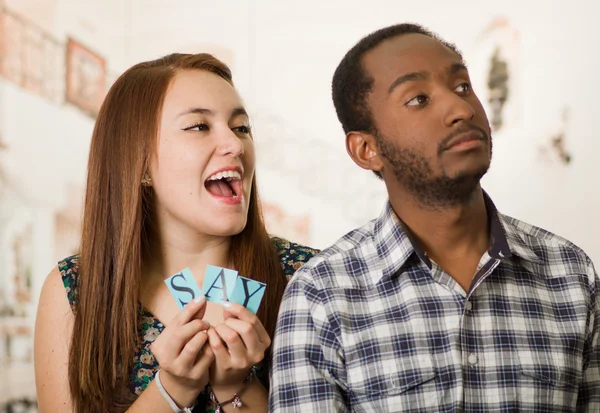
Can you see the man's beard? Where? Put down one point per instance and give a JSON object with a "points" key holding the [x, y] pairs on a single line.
{"points": [[414, 173]]}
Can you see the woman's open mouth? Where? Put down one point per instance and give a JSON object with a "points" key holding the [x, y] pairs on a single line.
{"points": [[226, 186]]}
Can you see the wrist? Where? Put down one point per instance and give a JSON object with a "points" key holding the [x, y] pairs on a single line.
{"points": [[227, 389], [183, 396], [223, 394], [230, 380]]}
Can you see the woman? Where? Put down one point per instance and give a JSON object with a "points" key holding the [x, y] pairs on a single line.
{"points": [[170, 185]]}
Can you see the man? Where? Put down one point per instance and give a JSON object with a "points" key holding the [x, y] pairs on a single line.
{"points": [[441, 304]]}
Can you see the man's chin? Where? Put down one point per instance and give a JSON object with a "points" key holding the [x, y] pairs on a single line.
{"points": [[465, 185], [472, 174], [445, 192], [470, 179]]}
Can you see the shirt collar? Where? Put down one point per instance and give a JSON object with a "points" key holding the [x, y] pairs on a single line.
{"points": [[395, 243], [392, 242], [507, 241]]}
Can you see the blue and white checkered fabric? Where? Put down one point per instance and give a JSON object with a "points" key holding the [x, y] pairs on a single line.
{"points": [[372, 325]]}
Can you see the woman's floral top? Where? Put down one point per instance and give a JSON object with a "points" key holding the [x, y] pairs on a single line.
{"points": [[144, 365]]}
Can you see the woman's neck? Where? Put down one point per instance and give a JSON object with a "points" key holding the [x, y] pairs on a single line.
{"points": [[169, 253]]}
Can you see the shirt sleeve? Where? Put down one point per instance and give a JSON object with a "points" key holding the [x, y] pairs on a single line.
{"points": [[307, 360], [588, 399]]}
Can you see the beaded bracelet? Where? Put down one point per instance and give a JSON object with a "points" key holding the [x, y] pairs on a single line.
{"points": [[235, 400]]}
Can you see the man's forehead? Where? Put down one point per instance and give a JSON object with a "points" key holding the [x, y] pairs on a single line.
{"points": [[408, 53]]}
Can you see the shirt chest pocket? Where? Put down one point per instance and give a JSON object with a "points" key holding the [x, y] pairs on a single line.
{"points": [[383, 382], [549, 378]]}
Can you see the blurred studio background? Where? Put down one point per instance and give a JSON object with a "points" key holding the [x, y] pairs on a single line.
{"points": [[534, 64]]}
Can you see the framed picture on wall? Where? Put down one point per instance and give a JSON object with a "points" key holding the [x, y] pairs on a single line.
{"points": [[86, 78], [11, 43]]}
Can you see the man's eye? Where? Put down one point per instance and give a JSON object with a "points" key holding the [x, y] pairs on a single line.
{"points": [[463, 88], [418, 101]]}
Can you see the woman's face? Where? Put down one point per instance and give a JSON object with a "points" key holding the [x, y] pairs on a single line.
{"points": [[204, 163]]}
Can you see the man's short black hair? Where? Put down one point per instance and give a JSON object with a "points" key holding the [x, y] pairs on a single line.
{"points": [[351, 83]]}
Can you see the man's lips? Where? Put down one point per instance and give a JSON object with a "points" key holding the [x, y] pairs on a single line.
{"points": [[466, 140]]}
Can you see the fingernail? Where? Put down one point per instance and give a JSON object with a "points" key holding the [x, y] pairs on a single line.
{"points": [[226, 304], [200, 299]]}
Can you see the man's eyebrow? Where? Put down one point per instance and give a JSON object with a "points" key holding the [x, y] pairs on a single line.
{"points": [[409, 77], [423, 75], [456, 67]]}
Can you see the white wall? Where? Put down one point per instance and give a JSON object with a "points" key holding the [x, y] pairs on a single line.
{"points": [[99, 25], [283, 55], [48, 143], [298, 50], [48, 146]]}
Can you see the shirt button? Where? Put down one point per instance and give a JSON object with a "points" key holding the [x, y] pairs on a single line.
{"points": [[468, 306], [472, 359]]}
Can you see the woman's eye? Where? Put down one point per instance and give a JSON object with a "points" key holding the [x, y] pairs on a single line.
{"points": [[198, 127], [242, 129]]}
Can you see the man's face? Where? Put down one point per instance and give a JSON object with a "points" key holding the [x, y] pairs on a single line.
{"points": [[432, 131]]}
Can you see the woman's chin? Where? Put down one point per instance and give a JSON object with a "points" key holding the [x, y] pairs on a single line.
{"points": [[224, 229]]}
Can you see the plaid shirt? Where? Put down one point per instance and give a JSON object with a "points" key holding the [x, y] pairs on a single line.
{"points": [[372, 325]]}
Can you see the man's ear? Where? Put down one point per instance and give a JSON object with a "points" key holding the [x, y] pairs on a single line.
{"points": [[364, 151]]}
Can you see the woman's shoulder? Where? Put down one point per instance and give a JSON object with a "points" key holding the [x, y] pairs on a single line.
{"points": [[69, 272], [292, 255]]}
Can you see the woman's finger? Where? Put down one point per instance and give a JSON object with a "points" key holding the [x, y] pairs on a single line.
{"points": [[193, 310], [203, 361], [218, 347], [170, 342], [237, 350], [242, 313], [191, 350], [248, 335], [181, 335]]}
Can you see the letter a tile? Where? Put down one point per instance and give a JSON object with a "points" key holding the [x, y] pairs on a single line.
{"points": [[218, 283]]}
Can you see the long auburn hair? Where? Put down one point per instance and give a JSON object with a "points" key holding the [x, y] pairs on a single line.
{"points": [[116, 224]]}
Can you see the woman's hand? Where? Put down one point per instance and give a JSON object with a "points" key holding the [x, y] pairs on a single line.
{"points": [[238, 344], [181, 352]]}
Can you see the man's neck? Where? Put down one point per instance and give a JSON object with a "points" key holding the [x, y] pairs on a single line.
{"points": [[454, 237]]}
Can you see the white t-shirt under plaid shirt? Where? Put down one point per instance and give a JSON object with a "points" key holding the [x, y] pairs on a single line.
{"points": [[372, 325]]}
